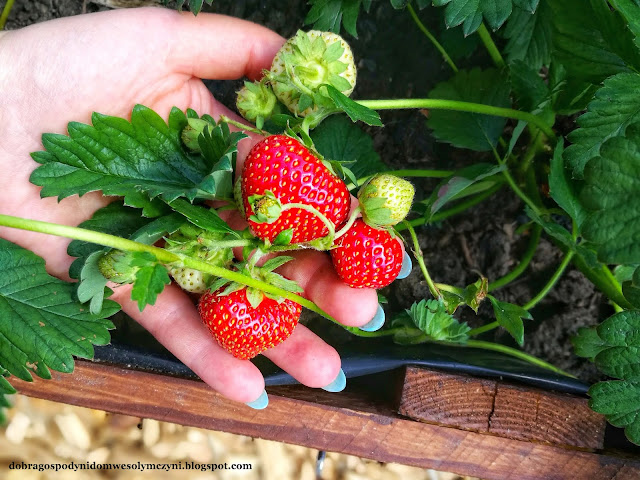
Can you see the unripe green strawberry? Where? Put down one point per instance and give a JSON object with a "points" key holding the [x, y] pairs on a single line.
{"points": [[192, 131], [307, 61], [114, 266], [194, 242], [256, 102], [385, 200]]}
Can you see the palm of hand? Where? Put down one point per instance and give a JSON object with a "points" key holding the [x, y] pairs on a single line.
{"points": [[66, 69]]}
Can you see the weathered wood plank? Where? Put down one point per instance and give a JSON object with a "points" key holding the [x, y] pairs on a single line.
{"points": [[499, 408], [378, 436]]}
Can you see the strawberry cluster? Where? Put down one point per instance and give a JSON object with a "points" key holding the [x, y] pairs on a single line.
{"points": [[291, 199]]}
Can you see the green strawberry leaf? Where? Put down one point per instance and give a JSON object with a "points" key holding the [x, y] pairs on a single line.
{"points": [[618, 401], [614, 107], [202, 216], [328, 15], [5, 389], [470, 130], [341, 140], [531, 91], [563, 189], [587, 343], [475, 293], [630, 10], [470, 13], [355, 111], [121, 158], [42, 325], [432, 318], [150, 280], [529, 36], [592, 41], [612, 184], [450, 188], [509, 317]]}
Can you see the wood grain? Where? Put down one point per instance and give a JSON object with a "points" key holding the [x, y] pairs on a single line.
{"points": [[379, 436], [499, 408]]}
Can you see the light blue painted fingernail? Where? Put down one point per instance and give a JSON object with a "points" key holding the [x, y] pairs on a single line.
{"points": [[260, 403], [376, 323], [406, 267], [338, 384]]}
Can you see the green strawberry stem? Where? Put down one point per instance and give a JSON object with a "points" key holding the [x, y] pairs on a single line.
{"points": [[496, 347], [459, 208], [431, 38], [491, 47], [243, 126], [161, 254], [534, 240], [535, 300], [314, 211], [417, 252], [439, 104], [349, 224], [5, 13]]}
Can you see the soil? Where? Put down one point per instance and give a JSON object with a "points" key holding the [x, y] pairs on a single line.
{"points": [[482, 240]]}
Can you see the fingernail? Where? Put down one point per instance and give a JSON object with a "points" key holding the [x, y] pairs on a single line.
{"points": [[406, 266], [338, 384], [376, 323], [260, 403]]}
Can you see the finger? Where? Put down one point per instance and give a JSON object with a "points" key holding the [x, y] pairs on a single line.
{"points": [[314, 272], [175, 323], [307, 358], [220, 47]]}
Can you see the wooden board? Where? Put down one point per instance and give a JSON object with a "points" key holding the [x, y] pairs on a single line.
{"points": [[499, 408], [344, 422]]}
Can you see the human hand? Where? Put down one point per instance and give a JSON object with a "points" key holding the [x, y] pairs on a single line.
{"points": [[65, 69]]}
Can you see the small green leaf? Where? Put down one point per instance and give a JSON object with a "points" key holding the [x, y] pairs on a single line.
{"points": [[41, 324], [432, 318], [470, 130], [475, 293], [509, 317], [449, 188], [93, 285], [355, 111], [470, 13], [338, 139], [587, 343], [529, 35], [619, 401], [202, 216], [150, 280], [530, 89], [328, 15], [563, 189]]}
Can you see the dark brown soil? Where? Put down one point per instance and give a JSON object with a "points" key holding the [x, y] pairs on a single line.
{"points": [[395, 61]]}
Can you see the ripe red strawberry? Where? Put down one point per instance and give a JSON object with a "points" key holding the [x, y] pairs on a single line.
{"points": [[367, 256], [283, 166], [245, 331]]}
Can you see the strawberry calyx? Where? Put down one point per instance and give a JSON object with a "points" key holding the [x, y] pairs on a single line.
{"points": [[264, 273]]}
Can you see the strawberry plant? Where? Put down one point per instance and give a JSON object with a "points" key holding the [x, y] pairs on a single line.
{"points": [[547, 109]]}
